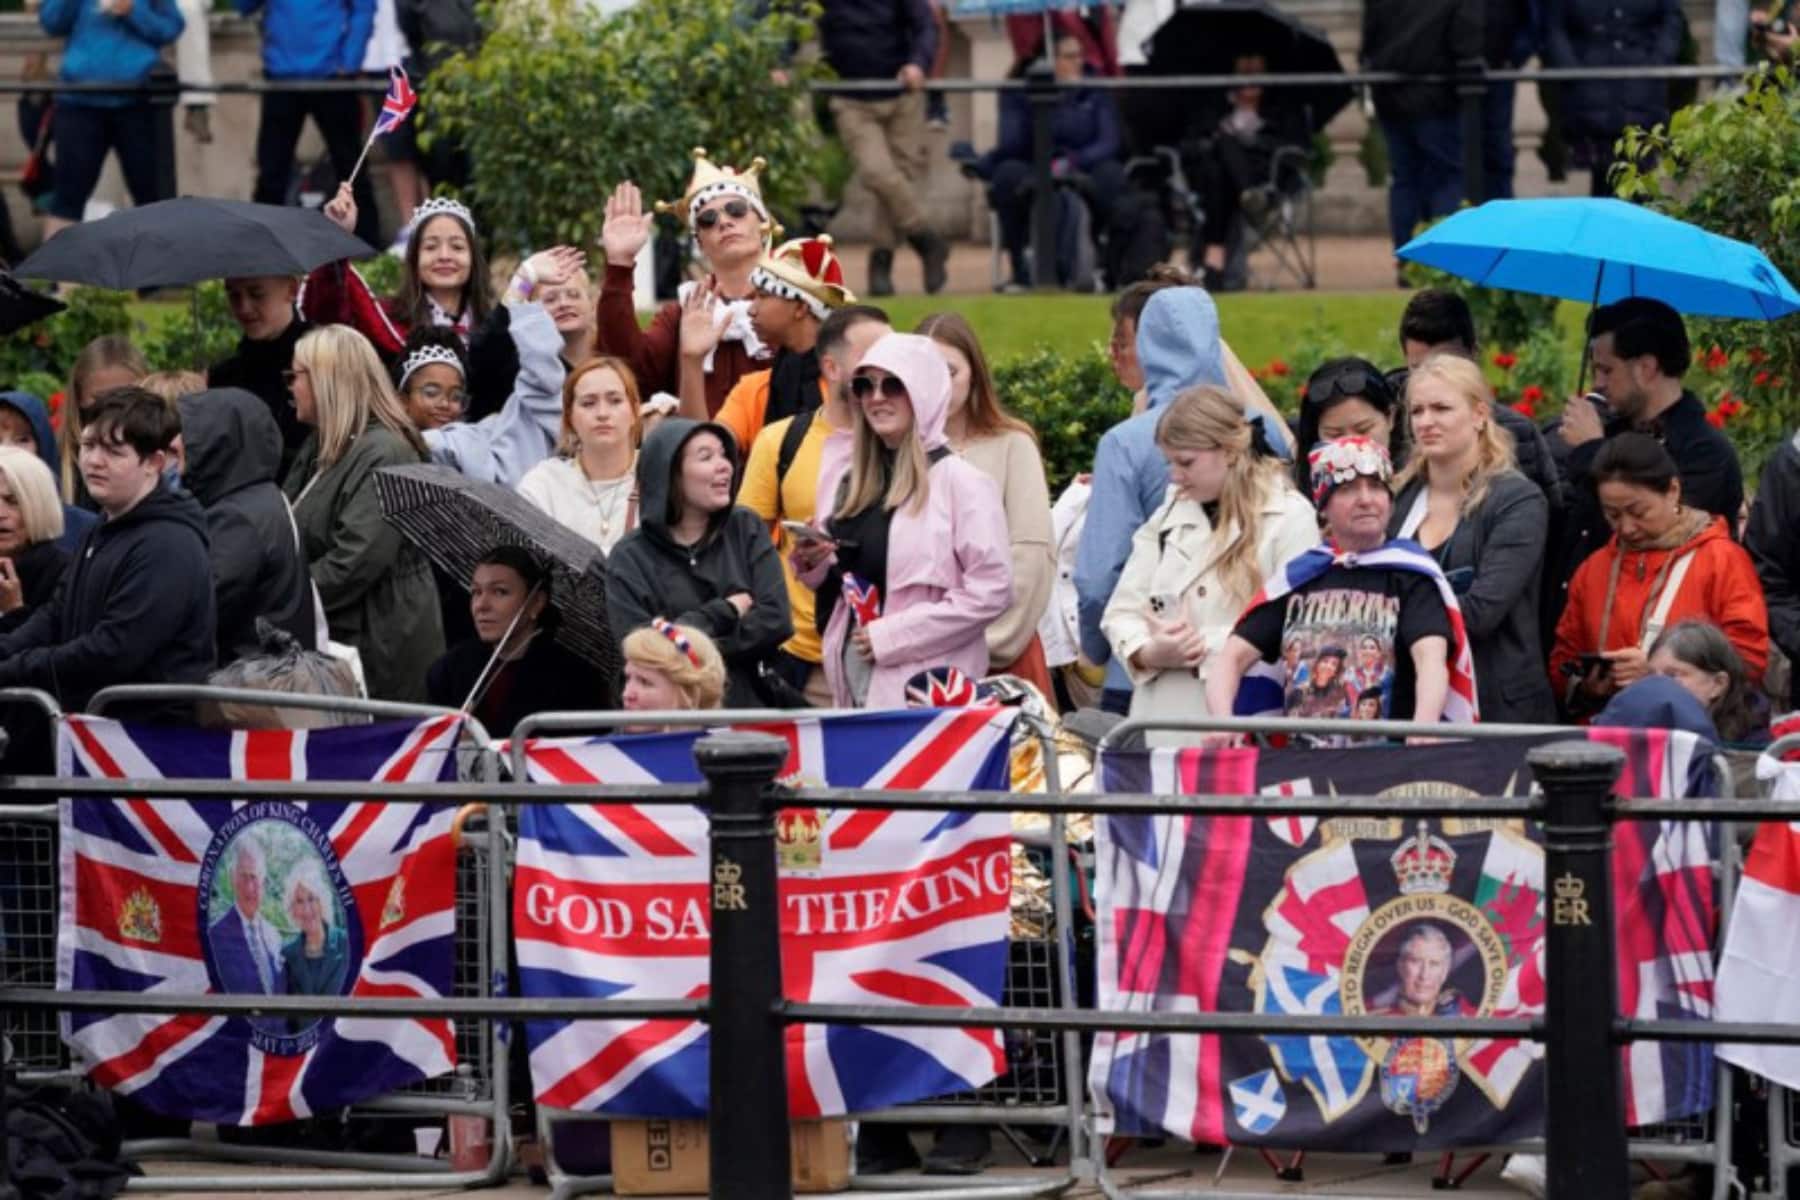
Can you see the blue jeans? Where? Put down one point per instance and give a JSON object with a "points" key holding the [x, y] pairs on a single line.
{"points": [[1497, 141], [1731, 31], [1425, 171]]}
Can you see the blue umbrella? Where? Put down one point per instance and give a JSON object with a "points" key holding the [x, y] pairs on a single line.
{"points": [[1604, 250], [1010, 8]]}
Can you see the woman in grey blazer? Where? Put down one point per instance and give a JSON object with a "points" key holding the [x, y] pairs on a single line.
{"points": [[1463, 499]]}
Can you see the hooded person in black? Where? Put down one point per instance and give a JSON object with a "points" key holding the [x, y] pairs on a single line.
{"points": [[136, 605], [698, 559], [263, 307], [231, 451]]}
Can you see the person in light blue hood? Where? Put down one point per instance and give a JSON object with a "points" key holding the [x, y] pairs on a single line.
{"points": [[36, 436], [1178, 347]]}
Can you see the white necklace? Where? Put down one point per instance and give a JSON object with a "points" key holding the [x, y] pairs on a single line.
{"points": [[608, 496]]}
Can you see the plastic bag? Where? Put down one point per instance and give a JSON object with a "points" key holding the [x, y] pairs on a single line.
{"points": [[282, 666]]}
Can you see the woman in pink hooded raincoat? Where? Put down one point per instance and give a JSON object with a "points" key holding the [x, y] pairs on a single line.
{"points": [[914, 522]]}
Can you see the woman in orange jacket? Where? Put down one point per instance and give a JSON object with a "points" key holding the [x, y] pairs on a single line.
{"points": [[1665, 563]]}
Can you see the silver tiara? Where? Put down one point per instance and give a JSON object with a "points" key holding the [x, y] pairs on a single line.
{"points": [[438, 206], [424, 356]]}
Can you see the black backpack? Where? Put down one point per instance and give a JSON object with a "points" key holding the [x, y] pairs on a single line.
{"points": [[63, 1143]]}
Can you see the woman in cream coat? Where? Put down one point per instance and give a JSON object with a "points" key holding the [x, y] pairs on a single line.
{"points": [[1230, 520]]}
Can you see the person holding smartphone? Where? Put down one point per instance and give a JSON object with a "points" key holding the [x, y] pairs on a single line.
{"points": [[1463, 499], [1667, 562]]}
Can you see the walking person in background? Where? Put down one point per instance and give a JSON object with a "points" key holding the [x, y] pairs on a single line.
{"points": [[979, 428], [884, 133], [921, 531], [1463, 499], [323, 40], [1231, 518], [1610, 33], [375, 586], [109, 41]]}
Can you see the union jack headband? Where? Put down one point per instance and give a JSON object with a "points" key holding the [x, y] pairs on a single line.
{"points": [[673, 632], [425, 356], [438, 206]]}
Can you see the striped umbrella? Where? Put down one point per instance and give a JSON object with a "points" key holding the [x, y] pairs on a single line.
{"points": [[456, 520]]}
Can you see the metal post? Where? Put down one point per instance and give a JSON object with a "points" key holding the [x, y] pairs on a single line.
{"points": [[748, 1118], [1472, 96], [1042, 92], [1585, 1117]]}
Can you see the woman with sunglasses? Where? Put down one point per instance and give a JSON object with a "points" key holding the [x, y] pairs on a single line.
{"points": [[699, 345], [1347, 397], [1464, 500], [915, 561], [375, 587]]}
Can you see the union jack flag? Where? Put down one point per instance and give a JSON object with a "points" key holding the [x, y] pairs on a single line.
{"points": [[397, 105], [192, 897], [876, 907], [864, 599]]}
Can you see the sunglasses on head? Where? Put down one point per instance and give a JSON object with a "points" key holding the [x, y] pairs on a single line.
{"points": [[863, 387], [737, 210], [1349, 381]]}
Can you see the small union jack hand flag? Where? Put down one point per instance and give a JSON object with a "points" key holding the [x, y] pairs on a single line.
{"points": [[864, 599], [397, 105]]}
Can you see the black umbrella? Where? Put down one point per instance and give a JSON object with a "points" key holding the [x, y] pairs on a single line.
{"points": [[455, 520], [20, 306], [191, 240], [1205, 37]]}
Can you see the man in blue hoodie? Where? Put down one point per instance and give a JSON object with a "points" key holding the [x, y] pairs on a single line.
{"points": [[110, 41], [1178, 347], [313, 39]]}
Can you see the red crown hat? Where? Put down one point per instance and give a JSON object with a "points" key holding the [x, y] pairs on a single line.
{"points": [[806, 270]]}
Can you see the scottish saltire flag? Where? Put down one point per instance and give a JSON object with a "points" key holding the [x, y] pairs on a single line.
{"points": [[1259, 694], [269, 897], [1378, 916], [397, 105], [876, 908]]}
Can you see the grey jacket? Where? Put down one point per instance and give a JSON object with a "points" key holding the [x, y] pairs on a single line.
{"points": [[1495, 560]]}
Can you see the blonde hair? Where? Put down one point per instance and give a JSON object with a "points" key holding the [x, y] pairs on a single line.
{"points": [[108, 350], [350, 388], [861, 488], [1210, 418], [1493, 445], [34, 490], [173, 385], [569, 446], [701, 686]]}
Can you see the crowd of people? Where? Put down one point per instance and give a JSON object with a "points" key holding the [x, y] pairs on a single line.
{"points": [[826, 505]]}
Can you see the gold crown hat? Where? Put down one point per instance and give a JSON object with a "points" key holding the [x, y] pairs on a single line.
{"points": [[710, 181], [806, 270]]}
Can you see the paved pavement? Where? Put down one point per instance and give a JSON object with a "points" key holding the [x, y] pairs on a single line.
{"points": [[1345, 264]]}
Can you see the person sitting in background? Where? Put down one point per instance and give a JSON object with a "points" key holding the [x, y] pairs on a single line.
{"points": [[1085, 145], [376, 588], [698, 559], [1698, 656], [32, 559], [229, 452], [25, 424], [980, 429], [136, 605], [1464, 502], [1666, 562], [798, 286], [1178, 347], [109, 361], [914, 564], [432, 377], [512, 668], [1348, 397], [591, 483], [1231, 519], [669, 668]]}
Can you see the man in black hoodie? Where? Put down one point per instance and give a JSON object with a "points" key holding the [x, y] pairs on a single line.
{"points": [[136, 605], [230, 451]]}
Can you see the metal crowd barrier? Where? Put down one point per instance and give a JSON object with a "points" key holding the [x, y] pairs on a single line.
{"points": [[1703, 1139], [1044, 1083]]}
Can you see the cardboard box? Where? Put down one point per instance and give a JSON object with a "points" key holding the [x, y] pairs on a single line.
{"points": [[669, 1157]]}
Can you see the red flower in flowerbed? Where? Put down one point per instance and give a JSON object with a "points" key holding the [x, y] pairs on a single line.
{"points": [[1761, 379], [1730, 406], [1757, 355], [1277, 368], [1525, 408], [1717, 360], [1532, 394], [55, 405], [1716, 419], [1505, 361]]}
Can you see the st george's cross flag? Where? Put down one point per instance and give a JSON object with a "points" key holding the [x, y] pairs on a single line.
{"points": [[1759, 979], [876, 908], [191, 897]]}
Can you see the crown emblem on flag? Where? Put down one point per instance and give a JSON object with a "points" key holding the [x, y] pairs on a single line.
{"points": [[799, 839], [1424, 863], [140, 918]]}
